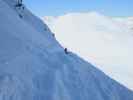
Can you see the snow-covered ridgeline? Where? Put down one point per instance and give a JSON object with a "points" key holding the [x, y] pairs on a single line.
{"points": [[105, 41], [34, 66]]}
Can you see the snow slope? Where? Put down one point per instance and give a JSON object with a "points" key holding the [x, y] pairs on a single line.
{"points": [[105, 41], [33, 65]]}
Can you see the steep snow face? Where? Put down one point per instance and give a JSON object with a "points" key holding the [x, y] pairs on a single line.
{"points": [[34, 66], [105, 41]]}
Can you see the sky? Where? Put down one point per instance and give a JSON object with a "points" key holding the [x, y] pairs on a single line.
{"points": [[61, 7]]}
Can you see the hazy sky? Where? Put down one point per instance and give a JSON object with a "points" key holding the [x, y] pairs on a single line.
{"points": [[59, 7]]}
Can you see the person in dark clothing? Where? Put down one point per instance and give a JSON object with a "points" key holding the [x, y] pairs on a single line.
{"points": [[20, 16], [66, 51], [53, 34], [19, 3]]}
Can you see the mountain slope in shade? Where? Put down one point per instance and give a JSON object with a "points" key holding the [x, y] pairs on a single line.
{"points": [[105, 41], [33, 65]]}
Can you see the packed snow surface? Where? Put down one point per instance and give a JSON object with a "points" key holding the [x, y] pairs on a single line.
{"points": [[34, 66], [105, 41]]}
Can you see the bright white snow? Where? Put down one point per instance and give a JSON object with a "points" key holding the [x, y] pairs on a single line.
{"points": [[127, 21], [105, 41], [34, 66]]}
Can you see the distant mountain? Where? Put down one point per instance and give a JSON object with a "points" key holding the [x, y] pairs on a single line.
{"points": [[105, 41], [34, 66]]}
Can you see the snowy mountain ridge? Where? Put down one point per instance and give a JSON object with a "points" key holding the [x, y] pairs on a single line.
{"points": [[34, 66], [105, 41]]}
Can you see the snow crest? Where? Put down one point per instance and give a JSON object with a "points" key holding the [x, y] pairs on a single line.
{"points": [[105, 41], [34, 66]]}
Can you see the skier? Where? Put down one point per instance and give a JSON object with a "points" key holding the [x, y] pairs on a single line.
{"points": [[19, 3], [66, 51], [19, 6], [53, 34], [20, 16]]}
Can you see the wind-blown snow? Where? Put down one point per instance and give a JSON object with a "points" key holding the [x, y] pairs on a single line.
{"points": [[34, 66], [105, 41]]}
